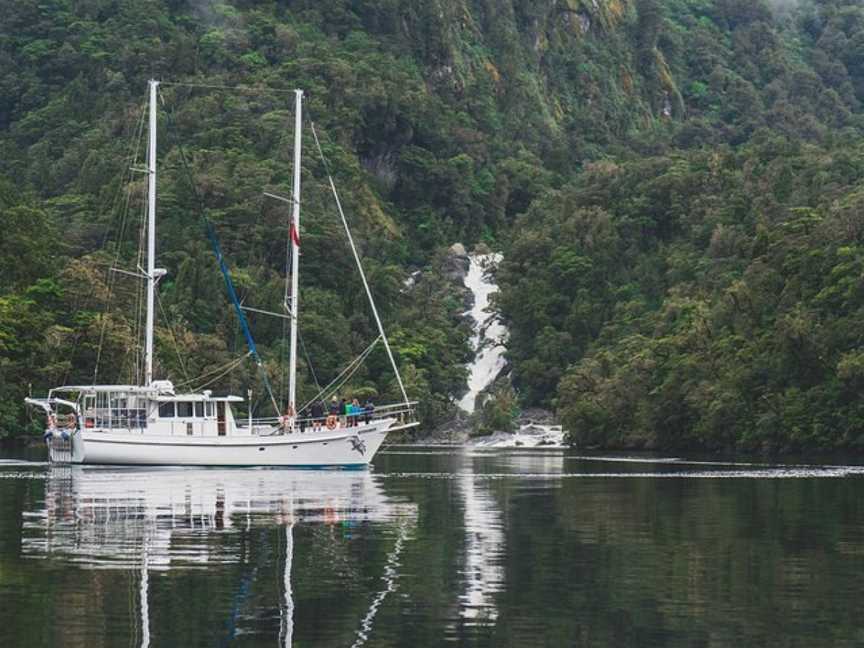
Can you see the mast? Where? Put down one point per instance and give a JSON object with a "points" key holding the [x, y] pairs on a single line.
{"points": [[294, 235], [151, 237]]}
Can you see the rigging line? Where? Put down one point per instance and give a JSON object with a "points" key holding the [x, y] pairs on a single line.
{"points": [[350, 375], [133, 155], [309, 362], [359, 265], [283, 357], [140, 298], [216, 86], [352, 367], [232, 363], [129, 159], [173, 336], [279, 147], [226, 275], [221, 375]]}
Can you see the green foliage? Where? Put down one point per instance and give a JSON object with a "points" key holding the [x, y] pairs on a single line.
{"points": [[737, 327], [499, 409], [676, 186]]}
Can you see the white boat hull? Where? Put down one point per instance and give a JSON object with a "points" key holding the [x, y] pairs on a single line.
{"points": [[343, 448]]}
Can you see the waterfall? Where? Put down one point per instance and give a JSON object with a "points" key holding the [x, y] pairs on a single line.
{"points": [[489, 333]]}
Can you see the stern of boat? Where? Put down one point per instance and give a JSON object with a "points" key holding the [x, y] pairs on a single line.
{"points": [[62, 436], [64, 446]]}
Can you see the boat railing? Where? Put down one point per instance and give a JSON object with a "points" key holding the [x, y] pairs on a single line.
{"points": [[405, 413]]}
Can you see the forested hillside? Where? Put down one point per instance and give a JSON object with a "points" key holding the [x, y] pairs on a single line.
{"points": [[699, 285], [675, 185]]}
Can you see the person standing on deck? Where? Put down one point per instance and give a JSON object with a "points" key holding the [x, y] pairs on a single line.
{"points": [[368, 410], [343, 412], [333, 417], [288, 419], [356, 410], [317, 414]]}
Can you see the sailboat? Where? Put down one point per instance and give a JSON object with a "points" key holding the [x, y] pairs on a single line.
{"points": [[153, 424]]}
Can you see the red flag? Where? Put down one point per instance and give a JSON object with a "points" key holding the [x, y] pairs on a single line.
{"points": [[295, 236]]}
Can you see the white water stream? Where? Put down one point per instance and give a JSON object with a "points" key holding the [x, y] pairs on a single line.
{"points": [[489, 333], [488, 344]]}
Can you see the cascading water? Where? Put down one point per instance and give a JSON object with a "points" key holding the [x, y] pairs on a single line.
{"points": [[488, 344], [489, 332]]}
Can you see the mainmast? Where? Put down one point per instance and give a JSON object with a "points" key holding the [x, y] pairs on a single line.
{"points": [[151, 237], [294, 235]]}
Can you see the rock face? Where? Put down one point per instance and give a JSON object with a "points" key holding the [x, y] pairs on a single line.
{"points": [[536, 416], [456, 264]]}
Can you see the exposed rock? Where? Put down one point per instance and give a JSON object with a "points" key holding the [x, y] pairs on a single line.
{"points": [[482, 249], [458, 250], [456, 264], [456, 431], [535, 416], [412, 280], [383, 168]]}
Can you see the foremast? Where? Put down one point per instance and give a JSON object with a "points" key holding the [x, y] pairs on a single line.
{"points": [[153, 273]]}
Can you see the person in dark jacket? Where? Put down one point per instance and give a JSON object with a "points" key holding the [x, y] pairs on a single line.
{"points": [[317, 410], [368, 410]]}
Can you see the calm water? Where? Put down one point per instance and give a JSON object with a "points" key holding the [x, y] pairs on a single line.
{"points": [[434, 547]]}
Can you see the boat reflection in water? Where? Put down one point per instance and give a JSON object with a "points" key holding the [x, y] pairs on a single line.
{"points": [[164, 519]]}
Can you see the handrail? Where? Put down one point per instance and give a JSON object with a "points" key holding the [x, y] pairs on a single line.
{"points": [[384, 411]]}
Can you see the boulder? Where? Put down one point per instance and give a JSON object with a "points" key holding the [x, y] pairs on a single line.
{"points": [[456, 264]]}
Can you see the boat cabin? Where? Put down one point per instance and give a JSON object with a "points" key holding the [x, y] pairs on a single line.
{"points": [[157, 410]]}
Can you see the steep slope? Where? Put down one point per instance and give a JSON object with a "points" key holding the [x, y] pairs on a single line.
{"points": [[706, 292], [601, 124]]}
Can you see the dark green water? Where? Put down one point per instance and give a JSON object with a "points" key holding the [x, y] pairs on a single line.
{"points": [[434, 547]]}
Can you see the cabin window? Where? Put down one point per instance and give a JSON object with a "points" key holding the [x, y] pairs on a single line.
{"points": [[199, 409], [184, 409], [210, 409], [166, 410]]}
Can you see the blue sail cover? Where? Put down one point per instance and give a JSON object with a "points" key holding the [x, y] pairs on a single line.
{"points": [[244, 324]]}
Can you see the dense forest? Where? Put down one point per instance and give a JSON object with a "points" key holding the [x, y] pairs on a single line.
{"points": [[676, 187]]}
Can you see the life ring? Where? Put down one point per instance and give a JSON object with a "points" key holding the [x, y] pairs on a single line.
{"points": [[332, 422]]}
